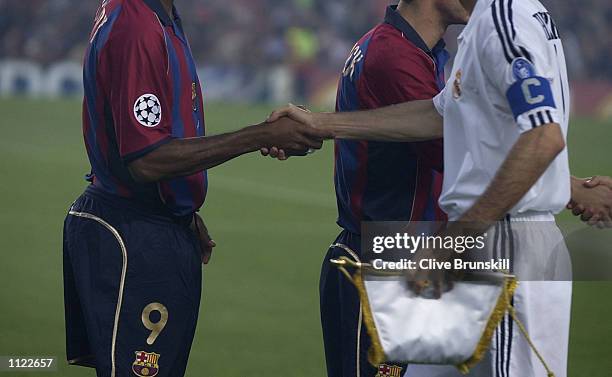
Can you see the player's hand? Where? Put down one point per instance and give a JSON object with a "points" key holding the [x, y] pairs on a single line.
{"points": [[598, 181], [297, 113], [592, 201], [206, 242], [435, 282], [288, 137]]}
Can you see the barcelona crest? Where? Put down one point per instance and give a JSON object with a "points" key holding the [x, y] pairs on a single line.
{"points": [[385, 370], [146, 364]]}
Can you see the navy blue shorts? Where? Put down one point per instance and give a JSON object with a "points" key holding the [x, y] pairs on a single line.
{"points": [[344, 333], [132, 286]]}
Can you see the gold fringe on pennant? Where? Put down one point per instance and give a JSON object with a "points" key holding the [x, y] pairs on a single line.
{"points": [[376, 354], [501, 308]]}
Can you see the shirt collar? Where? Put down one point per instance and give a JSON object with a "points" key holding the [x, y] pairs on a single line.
{"points": [[393, 18], [157, 7]]}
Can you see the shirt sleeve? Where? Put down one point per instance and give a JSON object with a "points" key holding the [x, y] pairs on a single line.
{"points": [[396, 75], [139, 92], [439, 101], [518, 68]]}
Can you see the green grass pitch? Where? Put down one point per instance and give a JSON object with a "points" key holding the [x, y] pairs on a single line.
{"points": [[273, 222]]}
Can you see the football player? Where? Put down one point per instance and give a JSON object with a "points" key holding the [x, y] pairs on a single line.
{"points": [[133, 242]]}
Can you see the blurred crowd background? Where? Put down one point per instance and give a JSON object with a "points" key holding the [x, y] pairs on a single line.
{"points": [[268, 50]]}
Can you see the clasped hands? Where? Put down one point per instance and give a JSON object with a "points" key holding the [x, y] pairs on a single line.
{"points": [[297, 134], [592, 201]]}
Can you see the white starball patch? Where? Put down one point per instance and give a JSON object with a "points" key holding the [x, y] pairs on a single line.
{"points": [[147, 110]]}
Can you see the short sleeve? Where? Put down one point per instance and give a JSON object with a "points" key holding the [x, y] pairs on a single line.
{"points": [[395, 73], [139, 93], [439, 102], [522, 74]]}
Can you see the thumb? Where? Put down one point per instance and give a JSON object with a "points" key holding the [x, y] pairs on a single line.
{"points": [[274, 116], [277, 114], [593, 182]]}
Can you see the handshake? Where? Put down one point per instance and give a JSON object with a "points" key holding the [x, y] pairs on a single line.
{"points": [[292, 132], [592, 201]]}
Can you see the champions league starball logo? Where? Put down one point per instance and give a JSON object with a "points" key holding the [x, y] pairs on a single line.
{"points": [[147, 110], [522, 69]]}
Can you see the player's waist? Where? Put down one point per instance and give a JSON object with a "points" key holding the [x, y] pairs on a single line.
{"points": [[152, 211], [532, 216], [523, 216]]}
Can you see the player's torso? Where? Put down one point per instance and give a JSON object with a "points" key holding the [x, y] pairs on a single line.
{"points": [[479, 126], [378, 181], [180, 83]]}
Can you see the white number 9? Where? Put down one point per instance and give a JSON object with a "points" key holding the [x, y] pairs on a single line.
{"points": [[155, 327]]}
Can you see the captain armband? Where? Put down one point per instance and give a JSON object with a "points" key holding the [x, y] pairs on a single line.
{"points": [[531, 97]]}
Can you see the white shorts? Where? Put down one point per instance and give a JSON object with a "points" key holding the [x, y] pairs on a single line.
{"points": [[543, 304]]}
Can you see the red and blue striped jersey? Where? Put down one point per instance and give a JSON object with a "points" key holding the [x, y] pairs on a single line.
{"points": [[381, 181], [141, 91]]}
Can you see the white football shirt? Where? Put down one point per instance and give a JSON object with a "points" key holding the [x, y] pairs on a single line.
{"points": [[509, 77]]}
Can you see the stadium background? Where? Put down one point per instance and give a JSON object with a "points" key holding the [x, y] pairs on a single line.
{"points": [[272, 221]]}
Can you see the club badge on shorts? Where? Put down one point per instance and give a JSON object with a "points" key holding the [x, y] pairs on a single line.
{"points": [[457, 85], [146, 364], [147, 110], [385, 370]]}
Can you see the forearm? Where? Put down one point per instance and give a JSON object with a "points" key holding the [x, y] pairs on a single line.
{"points": [[183, 157], [525, 164], [410, 121]]}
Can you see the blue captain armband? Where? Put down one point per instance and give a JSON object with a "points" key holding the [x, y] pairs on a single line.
{"points": [[529, 92]]}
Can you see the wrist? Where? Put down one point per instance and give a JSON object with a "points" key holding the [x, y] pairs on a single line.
{"points": [[323, 121], [575, 184], [468, 225], [257, 136]]}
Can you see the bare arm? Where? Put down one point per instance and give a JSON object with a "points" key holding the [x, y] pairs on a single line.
{"points": [[528, 160], [409, 121], [182, 157]]}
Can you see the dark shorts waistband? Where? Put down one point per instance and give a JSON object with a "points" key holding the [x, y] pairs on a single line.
{"points": [[126, 204]]}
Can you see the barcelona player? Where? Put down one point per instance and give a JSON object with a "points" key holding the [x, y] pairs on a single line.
{"points": [[133, 243], [402, 59]]}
